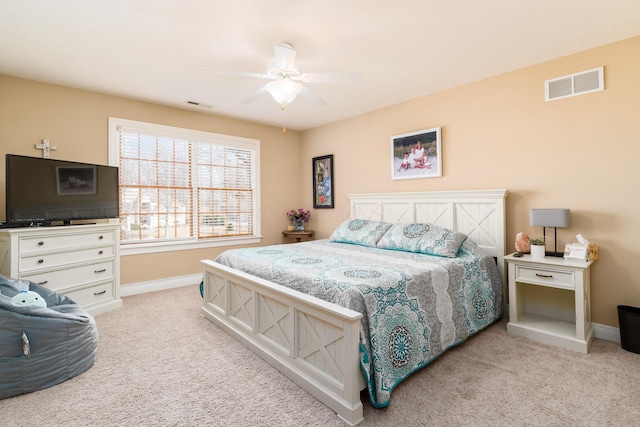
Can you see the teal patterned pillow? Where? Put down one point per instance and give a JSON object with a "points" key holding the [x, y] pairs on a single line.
{"points": [[423, 238], [360, 232]]}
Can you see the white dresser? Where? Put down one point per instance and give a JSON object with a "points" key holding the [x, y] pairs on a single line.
{"points": [[79, 261]]}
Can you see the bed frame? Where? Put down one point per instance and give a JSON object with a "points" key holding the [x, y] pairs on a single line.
{"points": [[316, 343]]}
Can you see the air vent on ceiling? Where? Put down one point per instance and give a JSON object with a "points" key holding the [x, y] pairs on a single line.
{"points": [[198, 104], [574, 84]]}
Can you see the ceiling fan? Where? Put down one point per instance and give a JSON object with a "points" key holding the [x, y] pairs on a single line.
{"points": [[286, 79]]}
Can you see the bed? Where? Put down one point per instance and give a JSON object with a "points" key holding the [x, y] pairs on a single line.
{"points": [[326, 335]]}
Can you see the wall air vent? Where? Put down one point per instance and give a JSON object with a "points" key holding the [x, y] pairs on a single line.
{"points": [[574, 84]]}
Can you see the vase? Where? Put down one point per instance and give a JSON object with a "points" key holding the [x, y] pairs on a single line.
{"points": [[537, 251], [298, 224]]}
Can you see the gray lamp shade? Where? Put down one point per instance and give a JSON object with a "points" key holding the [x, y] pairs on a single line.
{"points": [[549, 217]]}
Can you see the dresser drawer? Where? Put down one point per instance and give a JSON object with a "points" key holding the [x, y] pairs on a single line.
{"points": [[69, 277], [49, 260], [56, 242], [92, 295], [548, 277]]}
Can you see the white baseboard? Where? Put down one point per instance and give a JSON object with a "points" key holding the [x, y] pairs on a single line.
{"points": [[605, 332], [600, 331], [160, 284]]}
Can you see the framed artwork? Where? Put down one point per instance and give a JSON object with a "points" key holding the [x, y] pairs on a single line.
{"points": [[416, 155], [322, 168], [76, 180]]}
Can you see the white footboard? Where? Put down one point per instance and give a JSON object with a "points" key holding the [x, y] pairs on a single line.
{"points": [[312, 342]]}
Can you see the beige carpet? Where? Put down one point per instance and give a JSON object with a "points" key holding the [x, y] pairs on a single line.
{"points": [[160, 364]]}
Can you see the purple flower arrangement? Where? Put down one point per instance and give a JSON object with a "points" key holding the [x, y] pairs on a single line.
{"points": [[299, 214]]}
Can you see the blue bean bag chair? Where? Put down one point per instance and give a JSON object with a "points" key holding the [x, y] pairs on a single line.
{"points": [[42, 346]]}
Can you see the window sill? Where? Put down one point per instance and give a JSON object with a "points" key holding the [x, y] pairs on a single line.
{"points": [[167, 246]]}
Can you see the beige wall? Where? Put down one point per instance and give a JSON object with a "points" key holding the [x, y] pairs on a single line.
{"points": [[76, 122], [579, 153]]}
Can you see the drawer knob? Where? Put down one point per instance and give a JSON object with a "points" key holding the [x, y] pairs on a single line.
{"points": [[43, 283], [100, 271], [99, 293], [100, 253], [40, 261], [546, 276], [101, 237], [40, 243]]}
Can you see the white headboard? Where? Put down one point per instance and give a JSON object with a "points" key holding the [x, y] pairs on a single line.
{"points": [[480, 214]]}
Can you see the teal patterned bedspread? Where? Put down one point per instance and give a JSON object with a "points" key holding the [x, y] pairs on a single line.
{"points": [[414, 306]]}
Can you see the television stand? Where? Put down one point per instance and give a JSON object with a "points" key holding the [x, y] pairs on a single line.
{"points": [[81, 262]]}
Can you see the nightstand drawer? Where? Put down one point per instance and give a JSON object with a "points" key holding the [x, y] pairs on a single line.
{"points": [[548, 277]]}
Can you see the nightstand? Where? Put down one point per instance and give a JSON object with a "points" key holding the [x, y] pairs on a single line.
{"points": [[549, 301], [298, 234]]}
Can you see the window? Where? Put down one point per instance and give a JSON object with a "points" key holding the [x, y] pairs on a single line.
{"points": [[181, 188]]}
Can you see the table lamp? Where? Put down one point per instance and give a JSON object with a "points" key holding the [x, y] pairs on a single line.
{"points": [[550, 218]]}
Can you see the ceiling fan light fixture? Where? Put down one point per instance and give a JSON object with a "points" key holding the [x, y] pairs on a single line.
{"points": [[284, 91]]}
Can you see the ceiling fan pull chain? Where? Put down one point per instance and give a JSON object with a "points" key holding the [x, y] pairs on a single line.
{"points": [[284, 127]]}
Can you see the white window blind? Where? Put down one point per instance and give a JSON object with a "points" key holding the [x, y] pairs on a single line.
{"points": [[177, 184], [225, 191]]}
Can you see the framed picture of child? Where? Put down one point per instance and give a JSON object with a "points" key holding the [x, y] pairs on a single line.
{"points": [[322, 168], [416, 155]]}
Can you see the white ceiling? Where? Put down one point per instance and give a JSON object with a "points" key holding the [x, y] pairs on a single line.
{"points": [[155, 50]]}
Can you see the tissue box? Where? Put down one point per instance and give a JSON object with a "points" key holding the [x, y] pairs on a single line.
{"points": [[576, 251], [581, 251]]}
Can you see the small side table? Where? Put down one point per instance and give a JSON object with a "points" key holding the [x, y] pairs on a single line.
{"points": [[549, 301], [298, 234]]}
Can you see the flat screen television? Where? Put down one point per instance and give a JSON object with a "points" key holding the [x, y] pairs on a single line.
{"points": [[47, 191]]}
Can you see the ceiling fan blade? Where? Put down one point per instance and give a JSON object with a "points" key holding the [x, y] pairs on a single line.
{"points": [[257, 94], [310, 97], [285, 56], [237, 73], [331, 77]]}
